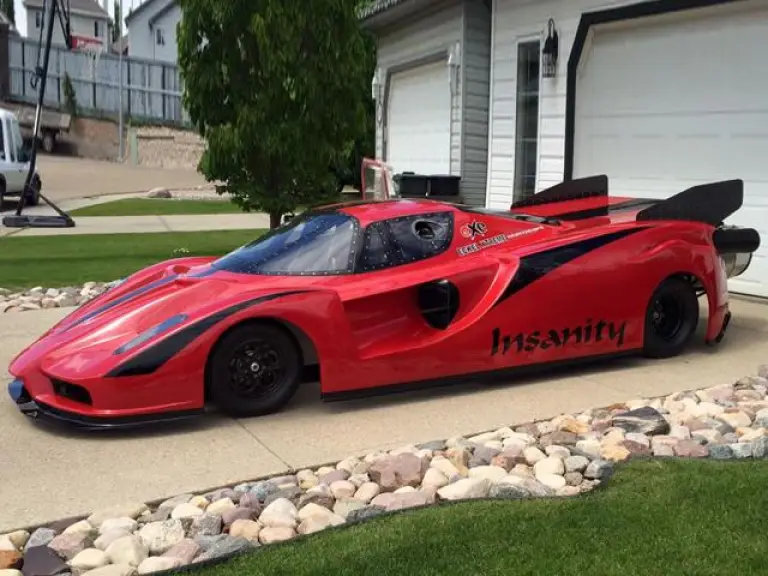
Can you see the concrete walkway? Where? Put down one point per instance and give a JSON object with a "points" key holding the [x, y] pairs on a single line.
{"points": [[48, 475], [138, 224]]}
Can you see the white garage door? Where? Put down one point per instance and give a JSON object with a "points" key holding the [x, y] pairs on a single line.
{"points": [[672, 102], [419, 120]]}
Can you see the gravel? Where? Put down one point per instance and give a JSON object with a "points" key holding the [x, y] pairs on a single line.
{"points": [[39, 298], [562, 457]]}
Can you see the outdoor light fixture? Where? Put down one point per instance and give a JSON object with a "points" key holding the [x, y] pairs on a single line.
{"points": [[376, 93], [453, 63], [376, 85], [549, 52]]}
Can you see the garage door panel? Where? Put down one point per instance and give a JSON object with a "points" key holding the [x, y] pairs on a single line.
{"points": [[419, 120], [684, 147], [717, 58], [670, 104]]}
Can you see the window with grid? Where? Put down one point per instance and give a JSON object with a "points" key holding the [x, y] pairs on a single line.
{"points": [[527, 125]]}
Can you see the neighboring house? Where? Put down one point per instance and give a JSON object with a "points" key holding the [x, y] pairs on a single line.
{"points": [[152, 30], [659, 95], [432, 88], [6, 22], [89, 22]]}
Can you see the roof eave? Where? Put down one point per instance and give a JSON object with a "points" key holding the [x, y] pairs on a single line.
{"points": [[394, 13]]}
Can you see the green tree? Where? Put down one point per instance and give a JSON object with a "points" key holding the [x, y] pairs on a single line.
{"points": [[117, 28], [279, 89], [7, 6]]}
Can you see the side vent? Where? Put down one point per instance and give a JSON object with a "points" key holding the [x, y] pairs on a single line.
{"points": [[439, 303]]}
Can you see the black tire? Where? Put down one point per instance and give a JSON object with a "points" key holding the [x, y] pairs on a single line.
{"points": [[33, 198], [2, 194], [671, 318], [240, 390], [49, 142]]}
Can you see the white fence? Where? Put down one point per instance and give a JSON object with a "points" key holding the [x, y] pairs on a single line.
{"points": [[151, 90]]}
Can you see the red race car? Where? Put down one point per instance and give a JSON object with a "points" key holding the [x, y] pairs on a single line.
{"points": [[373, 295]]}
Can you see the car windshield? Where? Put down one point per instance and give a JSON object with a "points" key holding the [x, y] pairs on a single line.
{"points": [[312, 244]]}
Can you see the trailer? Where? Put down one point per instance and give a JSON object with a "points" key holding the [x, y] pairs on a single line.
{"points": [[52, 125]]}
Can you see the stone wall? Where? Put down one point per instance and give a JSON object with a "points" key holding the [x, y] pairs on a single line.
{"points": [[162, 147], [159, 147]]}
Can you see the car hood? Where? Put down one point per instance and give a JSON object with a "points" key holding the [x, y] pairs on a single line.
{"points": [[94, 332]]}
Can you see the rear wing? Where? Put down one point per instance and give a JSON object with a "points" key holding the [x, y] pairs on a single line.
{"points": [[588, 187], [708, 203]]}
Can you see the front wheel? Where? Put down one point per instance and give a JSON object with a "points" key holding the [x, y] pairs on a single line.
{"points": [[671, 318], [254, 370]]}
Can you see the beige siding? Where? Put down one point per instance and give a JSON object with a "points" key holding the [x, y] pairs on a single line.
{"points": [[476, 64], [421, 38], [516, 21]]}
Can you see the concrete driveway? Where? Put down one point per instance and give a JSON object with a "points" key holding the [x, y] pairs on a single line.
{"points": [[48, 475], [66, 178]]}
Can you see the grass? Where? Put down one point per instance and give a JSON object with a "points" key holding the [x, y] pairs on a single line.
{"points": [[157, 207], [668, 517], [57, 261]]}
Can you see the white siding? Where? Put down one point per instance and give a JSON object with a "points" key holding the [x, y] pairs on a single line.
{"points": [[476, 65], [515, 21], [79, 25], [422, 38], [142, 40]]}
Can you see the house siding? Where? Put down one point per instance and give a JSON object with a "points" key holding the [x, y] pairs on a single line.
{"points": [[80, 24], [421, 38], [475, 67], [141, 37], [515, 21]]}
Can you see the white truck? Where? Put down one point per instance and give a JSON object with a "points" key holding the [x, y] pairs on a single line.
{"points": [[14, 162]]}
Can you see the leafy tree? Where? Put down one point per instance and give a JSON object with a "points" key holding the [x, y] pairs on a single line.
{"points": [[117, 28], [279, 89], [7, 6]]}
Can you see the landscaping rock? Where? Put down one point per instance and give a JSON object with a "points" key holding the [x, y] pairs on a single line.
{"points": [[564, 456]]}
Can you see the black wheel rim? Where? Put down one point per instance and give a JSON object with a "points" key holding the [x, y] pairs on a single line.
{"points": [[667, 317], [256, 369]]}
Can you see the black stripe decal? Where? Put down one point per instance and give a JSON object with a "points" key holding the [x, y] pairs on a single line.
{"points": [[606, 209], [124, 298], [151, 359], [538, 265]]}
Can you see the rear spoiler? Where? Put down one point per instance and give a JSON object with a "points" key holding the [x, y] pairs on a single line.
{"points": [[707, 203], [588, 187]]}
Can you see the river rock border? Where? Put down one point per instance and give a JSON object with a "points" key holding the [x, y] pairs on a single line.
{"points": [[563, 457], [39, 298]]}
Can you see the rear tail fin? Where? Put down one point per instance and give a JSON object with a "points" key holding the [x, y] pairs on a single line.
{"points": [[708, 203], [570, 190]]}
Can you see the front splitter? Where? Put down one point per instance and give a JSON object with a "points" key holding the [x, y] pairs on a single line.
{"points": [[43, 412]]}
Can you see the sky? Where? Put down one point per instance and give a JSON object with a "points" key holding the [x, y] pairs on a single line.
{"points": [[21, 15]]}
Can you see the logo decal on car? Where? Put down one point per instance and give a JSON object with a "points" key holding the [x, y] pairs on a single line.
{"points": [[492, 241], [473, 229], [554, 338]]}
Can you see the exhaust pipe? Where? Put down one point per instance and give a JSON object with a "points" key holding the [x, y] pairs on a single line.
{"points": [[736, 246], [736, 263]]}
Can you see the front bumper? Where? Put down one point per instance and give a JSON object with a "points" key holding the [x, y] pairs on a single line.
{"points": [[43, 412]]}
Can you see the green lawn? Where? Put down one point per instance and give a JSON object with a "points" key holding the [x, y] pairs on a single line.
{"points": [[157, 207], [57, 261], [655, 517]]}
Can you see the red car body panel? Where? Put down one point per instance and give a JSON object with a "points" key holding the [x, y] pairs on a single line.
{"points": [[531, 293]]}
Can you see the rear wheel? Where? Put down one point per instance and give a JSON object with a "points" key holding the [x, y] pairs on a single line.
{"points": [[254, 370], [33, 196], [49, 142], [671, 318]]}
